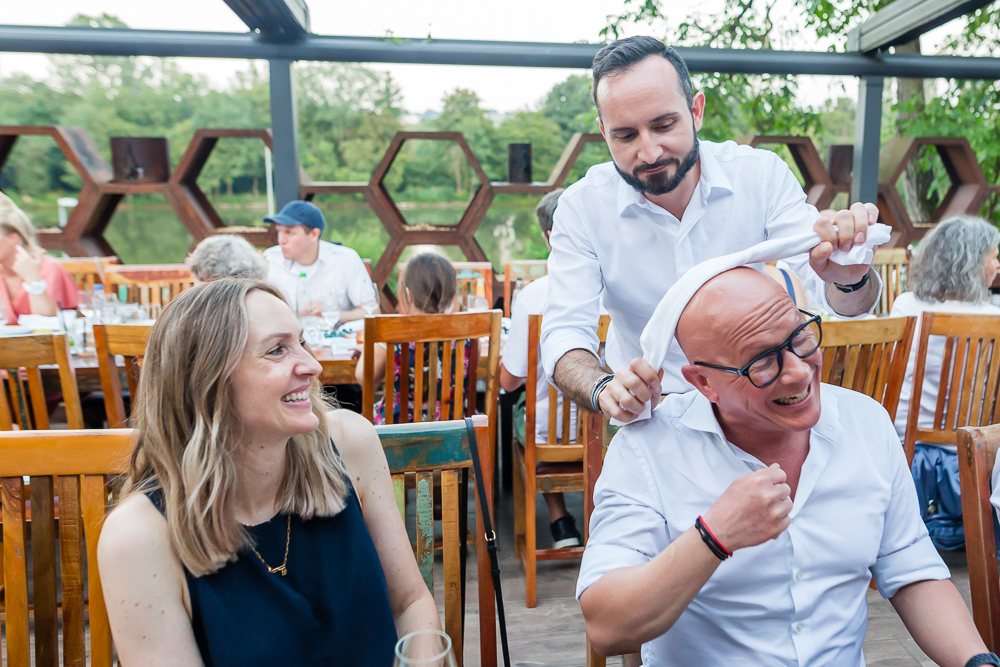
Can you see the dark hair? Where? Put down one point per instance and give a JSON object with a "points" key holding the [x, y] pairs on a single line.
{"points": [[546, 209], [624, 53], [431, 282]]}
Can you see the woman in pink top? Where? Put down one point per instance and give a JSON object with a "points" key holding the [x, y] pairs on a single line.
{"points": [[32, 283]]}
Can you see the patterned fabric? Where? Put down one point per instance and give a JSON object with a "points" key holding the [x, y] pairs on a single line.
{"points": [[397, 364]]}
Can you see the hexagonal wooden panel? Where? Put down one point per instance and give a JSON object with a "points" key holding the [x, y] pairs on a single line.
{"points": [[967, 194], [79, 237], [818, 186], [194, 207]]}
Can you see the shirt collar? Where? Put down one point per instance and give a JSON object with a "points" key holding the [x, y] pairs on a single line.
{"points": [[700, 416], [712, 178]]}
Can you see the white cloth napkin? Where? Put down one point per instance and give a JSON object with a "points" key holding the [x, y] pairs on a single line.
{"points": [[658, 333]]}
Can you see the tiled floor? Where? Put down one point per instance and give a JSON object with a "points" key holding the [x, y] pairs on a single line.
{"points": [[552, 634]]}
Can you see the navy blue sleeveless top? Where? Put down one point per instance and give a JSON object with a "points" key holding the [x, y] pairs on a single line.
{"points": [[332, 608]]}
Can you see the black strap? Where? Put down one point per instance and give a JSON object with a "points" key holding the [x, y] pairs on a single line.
{"points": [[491, 538]]}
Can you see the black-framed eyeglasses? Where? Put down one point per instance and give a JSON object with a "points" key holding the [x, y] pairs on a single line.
{"points": [[765, 368]]}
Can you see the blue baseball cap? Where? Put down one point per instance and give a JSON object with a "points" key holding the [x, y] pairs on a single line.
{"points": [[299, 212]]}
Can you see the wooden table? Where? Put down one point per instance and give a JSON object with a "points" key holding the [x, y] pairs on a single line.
{"points": [[337, 369]]}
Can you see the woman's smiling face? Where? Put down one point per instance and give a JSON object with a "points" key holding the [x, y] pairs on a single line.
{"points": [[271, 382]]}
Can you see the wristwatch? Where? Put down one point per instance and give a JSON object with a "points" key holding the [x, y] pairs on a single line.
{"points": [[983, 659], [852, 288], [35, 287]]}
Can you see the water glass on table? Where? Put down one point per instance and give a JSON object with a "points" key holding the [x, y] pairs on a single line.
{"points": [[371, 306], [425, 648]]}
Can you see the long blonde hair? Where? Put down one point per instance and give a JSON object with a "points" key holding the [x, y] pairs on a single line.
{"points": [[189, 434], [15, 221]]}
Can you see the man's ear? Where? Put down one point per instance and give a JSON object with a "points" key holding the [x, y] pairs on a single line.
{"points": [[696, 376], [698, 110], [315, 233]]}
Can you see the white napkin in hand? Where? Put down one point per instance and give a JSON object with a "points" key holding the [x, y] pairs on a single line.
{"points": [[658, 333]]}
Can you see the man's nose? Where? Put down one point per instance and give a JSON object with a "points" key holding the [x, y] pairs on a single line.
{"points": [[649, 150], [796, 369]]}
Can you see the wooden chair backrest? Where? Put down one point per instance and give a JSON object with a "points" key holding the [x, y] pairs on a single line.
{"points": [[73, 466], [970, 374], [565, 439], [869, 356], [148, 283], [86, 271], [891, 266], [23, 398], [465, 286], [423, 450], [518, 274], [128, 340], [977, 452]]}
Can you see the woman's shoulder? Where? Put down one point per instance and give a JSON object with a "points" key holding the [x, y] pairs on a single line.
{"points": [[135, 525], [357, 441]]}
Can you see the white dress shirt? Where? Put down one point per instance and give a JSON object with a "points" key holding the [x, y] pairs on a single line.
{"points": [[799, 599], [531, 301], [906, 305], [608, 237], [338, 277]]}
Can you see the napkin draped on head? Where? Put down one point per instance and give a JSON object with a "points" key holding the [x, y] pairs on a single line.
{"points": [[659, 331]]}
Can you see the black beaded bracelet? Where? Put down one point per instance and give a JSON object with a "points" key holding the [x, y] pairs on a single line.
{"points": [[983, 659], [714, 545], [852, 288]]}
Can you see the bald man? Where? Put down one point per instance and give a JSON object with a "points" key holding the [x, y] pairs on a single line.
{"points": [[742, 523]]}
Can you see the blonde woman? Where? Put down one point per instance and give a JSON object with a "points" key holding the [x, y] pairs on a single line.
{"points": [[32, 283], [257, 527]]}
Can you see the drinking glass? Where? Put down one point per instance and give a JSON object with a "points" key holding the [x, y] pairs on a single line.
{"points": [[331, 318], [85, 303], [312, 332], [425, 648], [371, 307]]}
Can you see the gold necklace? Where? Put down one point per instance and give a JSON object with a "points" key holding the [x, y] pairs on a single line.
{"points": [[283, 568]]}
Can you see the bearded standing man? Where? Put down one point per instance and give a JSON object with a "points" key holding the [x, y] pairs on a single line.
{"points": [[667, 201]]}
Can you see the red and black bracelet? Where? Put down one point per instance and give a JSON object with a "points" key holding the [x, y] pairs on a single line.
{"points": [[721, 552]]}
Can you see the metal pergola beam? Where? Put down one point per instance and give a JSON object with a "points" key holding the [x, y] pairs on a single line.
{"points": [[161, 43], [283, 21], [905, 20]]}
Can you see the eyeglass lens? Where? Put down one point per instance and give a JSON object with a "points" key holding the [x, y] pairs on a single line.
{"points": [[766, 369]]}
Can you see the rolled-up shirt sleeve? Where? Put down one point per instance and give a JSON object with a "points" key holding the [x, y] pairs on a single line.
{"points": [[906, 554], [626, 528], [788, 214], [573, 306]]}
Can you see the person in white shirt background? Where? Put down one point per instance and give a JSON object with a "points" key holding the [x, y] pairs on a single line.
{"points": [[667, 201], [514, 369], [950, 272], [335, 276], [741, 524]]}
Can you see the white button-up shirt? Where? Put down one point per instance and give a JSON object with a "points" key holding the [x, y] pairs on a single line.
{"points": [[608, 236], [338, 277], [799, 599]]}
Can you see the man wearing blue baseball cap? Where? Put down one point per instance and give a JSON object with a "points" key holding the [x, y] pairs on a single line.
{"points": [[336, 277]]}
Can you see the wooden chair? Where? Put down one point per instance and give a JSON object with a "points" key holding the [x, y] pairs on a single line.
{"points": [[23, 392], [86, 271], [970, 374], [868, 356], [891, 266], [128, 340], [434, 335], [74, 466], [562, 464], [466, 286], [147, 283], [441, 450], [977, 452], [518, 274]]}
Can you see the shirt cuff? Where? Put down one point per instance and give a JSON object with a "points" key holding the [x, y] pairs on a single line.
{"points": [[918, 562], [561, 341], [599, 559], [870, 310]]}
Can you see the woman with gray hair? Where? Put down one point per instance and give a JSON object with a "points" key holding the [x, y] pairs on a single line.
{"points": [[225, 256], [951, 271]]}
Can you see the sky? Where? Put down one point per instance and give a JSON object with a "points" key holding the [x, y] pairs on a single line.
{"points": [[504, 89]]}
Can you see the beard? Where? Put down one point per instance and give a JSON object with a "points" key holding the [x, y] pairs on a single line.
{"points": [[662, 182]]}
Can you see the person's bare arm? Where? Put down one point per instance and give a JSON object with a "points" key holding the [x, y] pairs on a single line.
{"points": [[144, 588], [29, 269], [412, 605], [632, 605], [379, 368], [357, 313], [509, 382], [938, 620], [842, 230], [624, 398]]}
